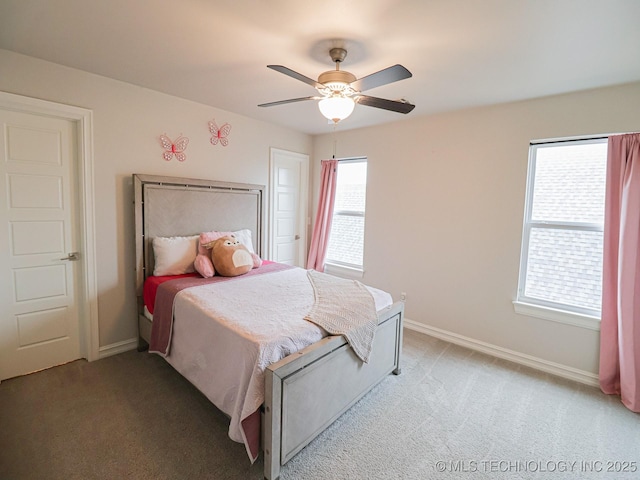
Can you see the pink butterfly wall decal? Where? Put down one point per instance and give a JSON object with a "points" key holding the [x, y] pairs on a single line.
{"points": [[219, 134], [176, 148]]}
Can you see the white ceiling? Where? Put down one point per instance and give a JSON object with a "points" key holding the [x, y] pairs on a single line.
{"points": [[462, 53]]}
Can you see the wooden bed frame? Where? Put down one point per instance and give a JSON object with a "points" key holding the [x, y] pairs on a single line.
{"points": [[303, 392]]}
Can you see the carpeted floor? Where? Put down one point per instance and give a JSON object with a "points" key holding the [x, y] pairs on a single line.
{"points": [[453, 413]]}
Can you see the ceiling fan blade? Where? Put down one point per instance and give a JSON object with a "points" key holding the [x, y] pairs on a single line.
{"points": [[296, 75], [393, 105], [291, 100], [382, 77]]}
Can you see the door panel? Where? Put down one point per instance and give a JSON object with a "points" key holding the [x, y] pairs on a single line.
{"points": [[32, 238], [31, 144], [287, 197], [39, 325], [37, 283], [34, 191], [288, 207]]}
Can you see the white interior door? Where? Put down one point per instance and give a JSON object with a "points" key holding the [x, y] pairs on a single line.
{"points": [[288, 207], [39, 324]]}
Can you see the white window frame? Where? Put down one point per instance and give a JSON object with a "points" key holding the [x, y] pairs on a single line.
{"points": [[536, 307], [337, 267]]}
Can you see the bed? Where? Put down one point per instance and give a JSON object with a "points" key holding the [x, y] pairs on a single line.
{"points": [[300, 391]]}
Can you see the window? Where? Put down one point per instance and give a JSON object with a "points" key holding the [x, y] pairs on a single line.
{"points": [[346, 242], [561, 260]]}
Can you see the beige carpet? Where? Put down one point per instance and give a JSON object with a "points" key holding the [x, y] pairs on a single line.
{"points": [[453, 413]]}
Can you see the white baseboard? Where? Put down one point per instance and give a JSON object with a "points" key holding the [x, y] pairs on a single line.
{"points": [[557, 369], [563, 371], [118, 347]]}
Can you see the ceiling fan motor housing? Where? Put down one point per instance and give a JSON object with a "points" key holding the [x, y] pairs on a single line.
{"points": [[336, 80]]}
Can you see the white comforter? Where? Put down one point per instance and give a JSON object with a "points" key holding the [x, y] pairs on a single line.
{"points": [[226, 334]]}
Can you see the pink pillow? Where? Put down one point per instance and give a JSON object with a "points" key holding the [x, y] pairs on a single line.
{"points": [[203, 263]]}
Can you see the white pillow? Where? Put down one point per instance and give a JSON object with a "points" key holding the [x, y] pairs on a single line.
{"points": [[245, 239], [174, 255]]}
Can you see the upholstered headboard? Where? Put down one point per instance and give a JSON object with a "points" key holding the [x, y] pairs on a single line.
{"points": [[174, 206]]}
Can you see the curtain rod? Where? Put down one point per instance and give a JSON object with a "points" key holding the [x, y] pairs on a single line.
{"points": [[351, 159], [573, 139], [566, 140]]}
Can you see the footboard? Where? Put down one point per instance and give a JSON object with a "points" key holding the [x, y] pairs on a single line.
{"points": [[307, 391]]}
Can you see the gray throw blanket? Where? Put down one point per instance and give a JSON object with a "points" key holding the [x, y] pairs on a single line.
{"points": [[344, 307]]}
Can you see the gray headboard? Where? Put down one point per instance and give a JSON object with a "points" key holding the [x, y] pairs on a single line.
{"points": [[174, 206]]}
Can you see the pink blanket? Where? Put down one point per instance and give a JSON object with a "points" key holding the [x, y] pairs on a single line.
{"points": [[152, 283], [162, 327], [162, 324], [226, 334]]}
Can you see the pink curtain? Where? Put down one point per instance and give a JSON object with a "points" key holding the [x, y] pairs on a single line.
{"points": [[322, 227], [620, 325]]}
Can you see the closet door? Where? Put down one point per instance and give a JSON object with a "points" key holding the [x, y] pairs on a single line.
{"points": [[39, 325]]}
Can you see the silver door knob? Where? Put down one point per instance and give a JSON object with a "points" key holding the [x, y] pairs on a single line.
{"points": [[72, 257], [297, 237]]}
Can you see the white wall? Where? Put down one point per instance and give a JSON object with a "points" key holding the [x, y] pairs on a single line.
{"points": [[127, 122], [445, 200]]}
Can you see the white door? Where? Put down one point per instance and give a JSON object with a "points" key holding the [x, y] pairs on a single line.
{"points": [[288, 207], [39, 325]]}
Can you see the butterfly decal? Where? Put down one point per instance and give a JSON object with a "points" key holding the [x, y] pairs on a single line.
{"points": [[219, 134], [176, 148]]}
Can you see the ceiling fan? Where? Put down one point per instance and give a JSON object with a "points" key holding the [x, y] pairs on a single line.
{"points": [[340, 90]]}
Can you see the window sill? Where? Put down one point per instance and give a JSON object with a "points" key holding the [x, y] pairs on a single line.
{"points": [[560, 316], [344, 272]]}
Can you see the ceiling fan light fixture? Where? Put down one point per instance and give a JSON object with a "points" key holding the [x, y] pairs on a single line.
{"points": [[336, 107]]}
